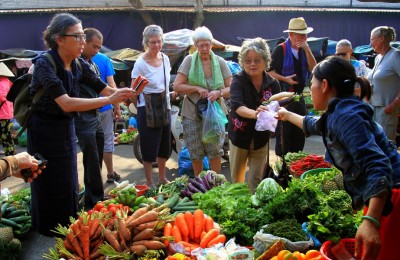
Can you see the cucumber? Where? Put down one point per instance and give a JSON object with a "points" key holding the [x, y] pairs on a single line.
{"points": [[17, 213], [160, 198], [4, 207], [189, 203], [20, 219], [187, 208], [185, 199], [10, 223], [10, 209], [172, 201], [151, 200]]}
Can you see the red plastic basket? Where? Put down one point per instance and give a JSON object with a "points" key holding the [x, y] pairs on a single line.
{"points": [[348, 243]]}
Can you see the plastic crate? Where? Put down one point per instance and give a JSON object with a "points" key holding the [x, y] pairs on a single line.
{"points": [[348, 244]]}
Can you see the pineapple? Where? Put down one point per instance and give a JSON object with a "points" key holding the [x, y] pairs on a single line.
{"points": [[6, 234], [10, 247], [329, 186], [338, 179]]}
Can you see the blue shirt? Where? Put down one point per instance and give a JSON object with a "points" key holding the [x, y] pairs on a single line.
{"points": [[358, 146], [106, 69]]}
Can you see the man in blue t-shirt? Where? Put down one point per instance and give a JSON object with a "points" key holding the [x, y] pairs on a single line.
{"points": [[107, 115]]}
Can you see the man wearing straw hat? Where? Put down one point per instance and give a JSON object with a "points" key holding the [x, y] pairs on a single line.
{"points": [[292, 63], [6, 111]]}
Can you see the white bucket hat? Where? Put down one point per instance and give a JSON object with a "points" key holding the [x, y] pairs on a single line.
{"points": [[5, 71], [298, 25]]}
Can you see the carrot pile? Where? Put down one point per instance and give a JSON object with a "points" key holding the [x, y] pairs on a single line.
{"points": [[97, 235], [192, 231], [83, 236]]}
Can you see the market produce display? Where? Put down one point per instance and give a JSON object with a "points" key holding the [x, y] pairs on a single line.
{"points": [[207, 216], [15, 212]]}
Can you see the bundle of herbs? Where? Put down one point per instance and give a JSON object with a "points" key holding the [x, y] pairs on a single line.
{"points": [[296, 202], [335, 218], [230, 206], [288, 228]]}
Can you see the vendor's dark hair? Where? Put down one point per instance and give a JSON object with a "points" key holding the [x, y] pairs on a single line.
{"points": [[59, 24], [341, 75]]}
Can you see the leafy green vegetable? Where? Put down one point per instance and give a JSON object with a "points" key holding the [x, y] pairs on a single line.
{"points": [[298, 201], [230, 206], [266, 191], [288, 228], [335, 218]]}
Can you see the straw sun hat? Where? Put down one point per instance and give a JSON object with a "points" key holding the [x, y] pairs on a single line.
{"points": [[5, 71], [298, 25]]}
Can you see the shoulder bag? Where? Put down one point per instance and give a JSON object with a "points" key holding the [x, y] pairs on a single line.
{"points": [[157, 114]]}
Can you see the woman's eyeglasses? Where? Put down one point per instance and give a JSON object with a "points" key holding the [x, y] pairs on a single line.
{"points": [[256, 61], [78, 37]]}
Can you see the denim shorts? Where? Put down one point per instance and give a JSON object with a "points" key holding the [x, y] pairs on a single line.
{"points": [[192, 132]]}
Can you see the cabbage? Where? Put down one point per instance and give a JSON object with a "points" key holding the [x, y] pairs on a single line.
{"points": [[266, 191]]}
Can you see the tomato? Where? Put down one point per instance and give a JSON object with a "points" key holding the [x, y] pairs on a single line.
{"points": [[104, 210], [113, 210], [111, 205], [98, 206], [90, 212]]}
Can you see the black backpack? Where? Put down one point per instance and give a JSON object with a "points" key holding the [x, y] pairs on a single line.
{"points": [[22, 100]]}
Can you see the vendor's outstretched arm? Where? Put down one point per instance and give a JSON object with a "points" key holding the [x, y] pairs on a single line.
{"points": [[293, 118]]}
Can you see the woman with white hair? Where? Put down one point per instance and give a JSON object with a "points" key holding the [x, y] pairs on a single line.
{"points": [[155, 66], [201, 75], [385, 80], [249, 89]]}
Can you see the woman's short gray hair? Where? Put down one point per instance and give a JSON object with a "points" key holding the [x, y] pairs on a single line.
{"points": [[202, 34], [260, 46], [59, 25], [150, 31], [388, 33]]}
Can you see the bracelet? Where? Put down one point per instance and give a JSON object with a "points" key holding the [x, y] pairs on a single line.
{"points": [[373, 220], [220, 93]]}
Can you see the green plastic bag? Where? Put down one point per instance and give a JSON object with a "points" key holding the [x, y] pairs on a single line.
{"points": [[22, 139], [214, 121]]}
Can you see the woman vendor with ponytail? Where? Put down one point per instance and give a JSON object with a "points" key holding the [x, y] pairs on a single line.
{"points": [[359, 147]]}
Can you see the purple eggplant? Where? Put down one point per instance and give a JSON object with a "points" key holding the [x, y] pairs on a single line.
{"points": [[198, 185], [206, 184], [187, 193], [210, 179], [192, 188]]}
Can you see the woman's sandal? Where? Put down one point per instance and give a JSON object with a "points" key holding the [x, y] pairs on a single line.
{"points": [[113, 177]]}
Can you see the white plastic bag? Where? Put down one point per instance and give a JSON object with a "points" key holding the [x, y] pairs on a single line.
{"points": [[266, 119]]}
